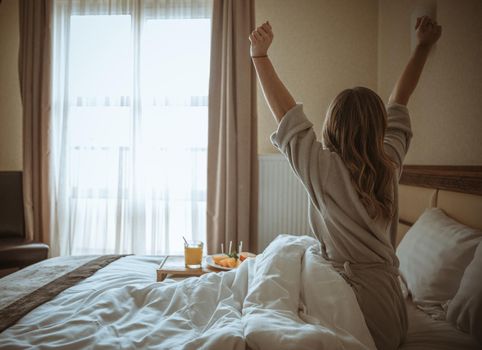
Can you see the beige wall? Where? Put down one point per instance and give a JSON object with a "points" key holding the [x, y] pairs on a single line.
{"points": [[446, 107], [324, 46], [10, 105], [320, 47]]}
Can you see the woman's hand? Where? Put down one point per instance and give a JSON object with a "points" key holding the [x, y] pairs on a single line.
{"points": [[428, 31], [277, 95], [261, 39]]}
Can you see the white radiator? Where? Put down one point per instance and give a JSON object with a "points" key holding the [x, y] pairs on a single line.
{"points": [[283, 202]]}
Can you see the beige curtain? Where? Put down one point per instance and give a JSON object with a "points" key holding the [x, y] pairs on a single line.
{"points": [[34, 73], [232, 147]]}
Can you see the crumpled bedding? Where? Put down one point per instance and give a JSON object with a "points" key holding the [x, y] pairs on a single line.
{"points": [[426, 333], [286, 298]]}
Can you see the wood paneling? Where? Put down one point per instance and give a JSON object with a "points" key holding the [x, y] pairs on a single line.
{"points": [[466, 179]]}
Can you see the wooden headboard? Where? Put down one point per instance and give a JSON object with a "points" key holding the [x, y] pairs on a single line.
{"points": [[465, 179], [455, 189]]}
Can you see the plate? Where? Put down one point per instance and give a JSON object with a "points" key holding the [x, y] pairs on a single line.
{"points": [[210, 262]]}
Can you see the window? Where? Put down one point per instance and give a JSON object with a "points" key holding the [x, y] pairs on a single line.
{"points": [[130, 125]]}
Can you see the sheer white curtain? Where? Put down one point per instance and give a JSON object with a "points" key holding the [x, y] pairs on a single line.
{"points": [[129, 125]]}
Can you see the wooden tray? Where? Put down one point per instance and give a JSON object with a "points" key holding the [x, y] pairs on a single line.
{"points": [[174, 266]]}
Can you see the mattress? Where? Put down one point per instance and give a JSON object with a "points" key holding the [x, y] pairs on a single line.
{"points": [[425, 333]]}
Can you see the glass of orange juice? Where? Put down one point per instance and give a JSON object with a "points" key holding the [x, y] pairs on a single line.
{"points": [[193, 254]]}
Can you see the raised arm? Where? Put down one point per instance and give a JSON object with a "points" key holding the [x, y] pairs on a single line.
{"points": [[428, 32], [276, 94]]}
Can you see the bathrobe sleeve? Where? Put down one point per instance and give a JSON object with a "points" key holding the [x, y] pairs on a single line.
{"points": [[398, 133], [296, 140]]}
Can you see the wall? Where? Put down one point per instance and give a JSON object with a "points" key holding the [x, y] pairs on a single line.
{"points": [[320, 47], [445, 109], [316, 64], [10, 104]]}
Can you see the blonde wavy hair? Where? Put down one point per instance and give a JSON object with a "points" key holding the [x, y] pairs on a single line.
{"points": [[354, 128]]}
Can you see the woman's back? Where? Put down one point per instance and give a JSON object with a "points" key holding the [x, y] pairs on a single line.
{"points": [[359, 247], [337, 212]]}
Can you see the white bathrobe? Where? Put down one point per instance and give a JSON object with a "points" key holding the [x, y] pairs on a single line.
{"points": [[362, 249]]}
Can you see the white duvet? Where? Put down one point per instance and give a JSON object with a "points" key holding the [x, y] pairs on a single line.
{"points": [[286, 298]]}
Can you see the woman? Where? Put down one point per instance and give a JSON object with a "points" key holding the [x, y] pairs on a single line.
{"points": [[352, 178]]}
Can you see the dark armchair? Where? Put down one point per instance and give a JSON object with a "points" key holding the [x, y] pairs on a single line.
{"points": [[16, 251]]}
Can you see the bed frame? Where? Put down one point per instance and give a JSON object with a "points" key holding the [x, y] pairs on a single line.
{"points": [[455, 189], [465, 179]]}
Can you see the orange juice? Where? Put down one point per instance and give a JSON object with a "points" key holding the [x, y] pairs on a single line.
{"points": [[193, 255]]}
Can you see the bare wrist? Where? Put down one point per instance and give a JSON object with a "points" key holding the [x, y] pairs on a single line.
{"points": [[260, 56], [423, 46]]}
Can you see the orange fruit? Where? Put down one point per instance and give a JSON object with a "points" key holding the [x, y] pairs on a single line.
{"points": [[244, 255]]}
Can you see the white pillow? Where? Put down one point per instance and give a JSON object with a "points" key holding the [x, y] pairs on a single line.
{"points": [[465, 309], [433, 256]]}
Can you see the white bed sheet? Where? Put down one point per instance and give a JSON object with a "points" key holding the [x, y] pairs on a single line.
{"points": [[288, 298], [425, 333]]}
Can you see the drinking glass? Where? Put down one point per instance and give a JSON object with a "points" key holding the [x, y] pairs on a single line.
{"points": [[193, 254]]}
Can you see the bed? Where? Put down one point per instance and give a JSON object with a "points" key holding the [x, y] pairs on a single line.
{"points": [[457, 190], [113, 302]]}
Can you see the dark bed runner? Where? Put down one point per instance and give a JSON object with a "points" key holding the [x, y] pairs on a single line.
{"points": [[13, 312]]}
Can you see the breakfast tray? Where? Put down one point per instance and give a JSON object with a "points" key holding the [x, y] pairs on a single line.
{"points": [[174, 265]]}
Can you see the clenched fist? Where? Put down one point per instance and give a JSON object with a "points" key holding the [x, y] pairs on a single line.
{"points": [[428, 31], [261, 39]]}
